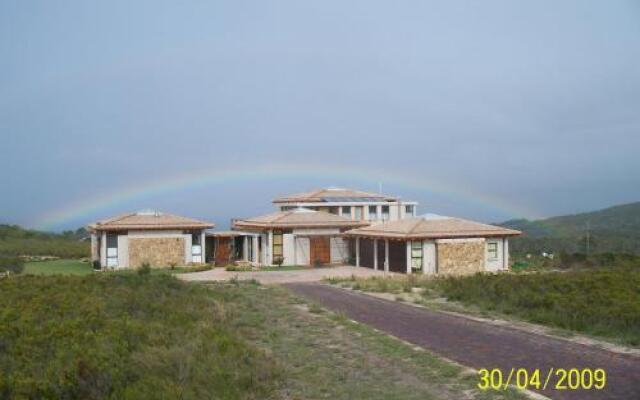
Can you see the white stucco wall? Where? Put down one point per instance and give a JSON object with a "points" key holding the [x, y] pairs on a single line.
{"points": [[123, 251], [430, 263], [339, 250], [494, 264], [302, 251], [288, 249]]}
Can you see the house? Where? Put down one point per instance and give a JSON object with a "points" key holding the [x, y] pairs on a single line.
{"points": [[432, 244], [299, 236], [352, 204], [152, 237]]}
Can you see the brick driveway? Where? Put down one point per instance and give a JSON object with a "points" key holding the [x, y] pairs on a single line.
{"points": [[480, 345]]}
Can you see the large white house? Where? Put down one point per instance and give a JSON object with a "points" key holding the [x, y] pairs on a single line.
{"points": [[352, 204]]}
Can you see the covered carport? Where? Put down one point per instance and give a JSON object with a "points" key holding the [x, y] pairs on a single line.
{"points": [[432, 244]]}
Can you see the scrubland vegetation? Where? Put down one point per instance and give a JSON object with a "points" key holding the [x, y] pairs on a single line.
{"points": [[16, 241], [603, 302], [146, 336], [123, 336]]}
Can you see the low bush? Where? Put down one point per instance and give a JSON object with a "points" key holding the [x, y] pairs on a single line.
{"points": [[238, 268], [602, 302], [119, 336]]}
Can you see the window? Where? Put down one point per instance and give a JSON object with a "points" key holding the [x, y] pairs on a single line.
{"points": [[196, 248], [277, 244], [249, 240], [373, 213], [416, 255], [385, 213], [346, 211], [408, 210], [112, 250], [492, 250], [358, 213], [333, 210], [287, 208]]}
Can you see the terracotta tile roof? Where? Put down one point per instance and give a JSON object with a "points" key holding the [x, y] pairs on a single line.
{"points": [[298, 218], [334, 194], [149, 220], [431, 226]]}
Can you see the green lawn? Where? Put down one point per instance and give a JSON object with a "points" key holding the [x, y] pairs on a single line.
{"points": [[601, 302], [77, 267], [129, 336], [58, 267]]}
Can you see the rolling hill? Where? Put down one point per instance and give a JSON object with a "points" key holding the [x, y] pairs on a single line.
{"points": [[614, 229]]}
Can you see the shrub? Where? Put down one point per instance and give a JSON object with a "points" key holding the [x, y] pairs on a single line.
{"points": [[238, 268], [116, 336], [317, 263], [14, 265], [145, 269], [278, 261], [96, 265]]}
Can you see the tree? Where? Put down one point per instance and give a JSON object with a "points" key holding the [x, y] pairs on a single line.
{"points": [[13, 265]]}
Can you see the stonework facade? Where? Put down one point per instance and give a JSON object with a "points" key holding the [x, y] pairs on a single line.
{"points": [[158, 252], [460, 256]]}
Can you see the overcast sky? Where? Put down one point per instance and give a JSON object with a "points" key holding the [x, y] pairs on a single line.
{"points": [[495, 109]]}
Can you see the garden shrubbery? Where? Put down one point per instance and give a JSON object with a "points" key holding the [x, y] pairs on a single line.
{"points": [[603, 302], [123, 336]]}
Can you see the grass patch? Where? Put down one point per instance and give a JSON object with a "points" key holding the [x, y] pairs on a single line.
{"points": [[58, 267], [603, 302], [78, 267], [113, 336], [285, 268], [325, 355], [248, 268]]}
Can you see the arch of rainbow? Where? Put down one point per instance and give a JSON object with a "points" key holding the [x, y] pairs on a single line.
{"points": [[203, 178]]}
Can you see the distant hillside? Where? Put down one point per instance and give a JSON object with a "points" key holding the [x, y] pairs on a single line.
{"points": [[614, 229], [17, 241]]}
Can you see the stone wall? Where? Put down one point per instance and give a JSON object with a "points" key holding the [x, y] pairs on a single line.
{"points": [[158, 251], [460, 256]]}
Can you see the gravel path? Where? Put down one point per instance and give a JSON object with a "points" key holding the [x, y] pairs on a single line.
{"points": [[271, 277], [480, 345]]}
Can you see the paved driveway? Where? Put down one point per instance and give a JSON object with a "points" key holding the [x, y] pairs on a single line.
{"points": [[267, 277], [481, 345]]}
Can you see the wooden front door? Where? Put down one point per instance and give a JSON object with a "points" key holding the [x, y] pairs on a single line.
{"points": [[320, 250]]}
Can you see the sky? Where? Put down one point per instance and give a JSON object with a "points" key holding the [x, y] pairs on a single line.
{"points": [[486, 110]]}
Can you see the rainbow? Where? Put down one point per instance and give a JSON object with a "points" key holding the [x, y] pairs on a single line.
{"points": [[92, 207]]}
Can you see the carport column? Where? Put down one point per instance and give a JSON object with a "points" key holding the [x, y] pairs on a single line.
{"points": [[375, 254], [408, 245], [386, 255], [245, 248], [254, 240], [357, 251]]}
